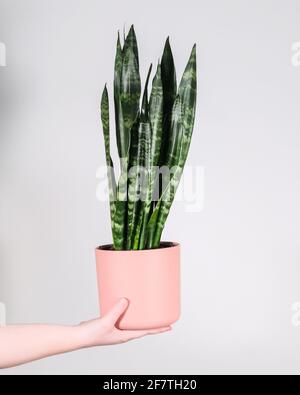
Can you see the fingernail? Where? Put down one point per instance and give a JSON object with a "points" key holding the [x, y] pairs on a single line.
{"points": [[124, 300]]}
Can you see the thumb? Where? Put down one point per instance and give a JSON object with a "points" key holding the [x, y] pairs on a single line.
{"points": [[117, 310]]}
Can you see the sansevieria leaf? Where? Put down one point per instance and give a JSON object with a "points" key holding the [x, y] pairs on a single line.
{"points": [[156, 123], [143, 174], [188, 95], [109, 162], [133, 186], [168, 75], [130, 91], [117, 97], [156, 116], [169, 84], [130, 41], [129, 100], [145, 101], [120, 214]]}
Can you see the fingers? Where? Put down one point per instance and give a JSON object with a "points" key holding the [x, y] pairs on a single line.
{"points": [[158, 330], [119, 308], [131, 335]]}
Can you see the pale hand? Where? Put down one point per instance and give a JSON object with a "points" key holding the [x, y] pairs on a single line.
{"points": [[103, 331]]}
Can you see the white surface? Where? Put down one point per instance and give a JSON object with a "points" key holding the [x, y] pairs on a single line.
{"points": [[241, 257]]}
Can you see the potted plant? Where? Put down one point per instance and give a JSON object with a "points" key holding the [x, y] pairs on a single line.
{"points": [[153, 136]]}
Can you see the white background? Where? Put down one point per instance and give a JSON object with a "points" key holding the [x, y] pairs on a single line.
{"points": [[240, 256]]}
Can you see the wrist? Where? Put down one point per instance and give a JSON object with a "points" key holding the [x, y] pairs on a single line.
{"points": [[82, 336]]}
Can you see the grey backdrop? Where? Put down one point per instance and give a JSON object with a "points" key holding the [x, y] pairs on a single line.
{"points": [[241, 256]]}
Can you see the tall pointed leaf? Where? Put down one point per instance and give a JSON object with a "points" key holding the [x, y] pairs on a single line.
{"points": [[130, 91], [143, 174], [156, 116], [117, 92], [120, 214], [133, 204], [169, 83], [109, 162], [131, 41], [187, 95], [135, 162], [168, 75], [176, 132], [145, 101]]}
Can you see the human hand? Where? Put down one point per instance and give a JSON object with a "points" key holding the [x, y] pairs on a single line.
{"points": [[103, 332]]}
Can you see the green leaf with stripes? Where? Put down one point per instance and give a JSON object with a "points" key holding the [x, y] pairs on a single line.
{"points": [[120, 215], [143, 173], [109, 162], [128, 102], [117, 99], [156, 116], [133, 201], [136, 162], [131, 42], [130, 92], [169, 84], [145, 101]]}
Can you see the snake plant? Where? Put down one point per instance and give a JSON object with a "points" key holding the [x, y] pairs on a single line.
{"points": [[153, 132]]}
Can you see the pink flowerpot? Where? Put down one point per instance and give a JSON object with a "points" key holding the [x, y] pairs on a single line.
{"points": [[149, 279]]}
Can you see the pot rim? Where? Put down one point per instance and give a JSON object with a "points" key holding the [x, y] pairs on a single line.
{"points": [[164, 245]]}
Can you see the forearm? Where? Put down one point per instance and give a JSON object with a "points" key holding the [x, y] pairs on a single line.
{"points": [[25, 343]]}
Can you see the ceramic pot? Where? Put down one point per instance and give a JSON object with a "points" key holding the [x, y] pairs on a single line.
{"points": [[149, 279]]}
